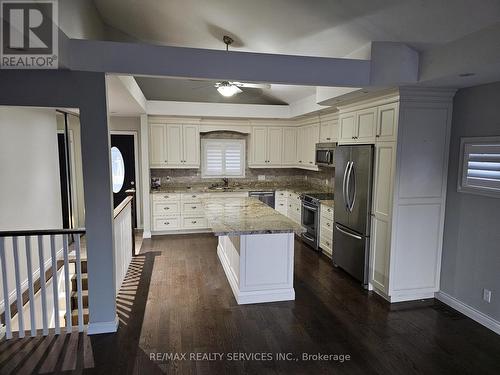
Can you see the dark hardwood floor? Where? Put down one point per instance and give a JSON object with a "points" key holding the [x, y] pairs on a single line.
{"points": [[176, 299]]}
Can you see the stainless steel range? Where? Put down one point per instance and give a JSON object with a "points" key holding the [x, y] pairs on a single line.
{"points": [[310, 217]]}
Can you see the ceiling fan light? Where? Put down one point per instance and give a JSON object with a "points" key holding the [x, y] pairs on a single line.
{"points": [[228, 90]]}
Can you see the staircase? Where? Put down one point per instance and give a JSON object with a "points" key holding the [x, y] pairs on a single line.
{"points": [[74, 293]]}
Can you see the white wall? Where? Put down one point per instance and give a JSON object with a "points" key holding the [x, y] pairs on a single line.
{"points": [[30, 195]]}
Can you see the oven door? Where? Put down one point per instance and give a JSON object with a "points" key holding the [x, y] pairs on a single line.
{"points": [[310, 221]]}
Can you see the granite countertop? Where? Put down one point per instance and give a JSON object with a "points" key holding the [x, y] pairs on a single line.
{"points": [[298, 189], [239, 216], [328, 203]]}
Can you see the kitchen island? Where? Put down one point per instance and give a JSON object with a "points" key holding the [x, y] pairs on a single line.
{"points": [[256, 247]]}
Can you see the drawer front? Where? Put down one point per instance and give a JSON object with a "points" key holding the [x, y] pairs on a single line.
{"points": [[326, 226], [166, 197], [327, 212], [192, 208], [281, 207], [166, 223], [326, 244], [163, 209], [193, 197], [282, 194], [194, 222]]}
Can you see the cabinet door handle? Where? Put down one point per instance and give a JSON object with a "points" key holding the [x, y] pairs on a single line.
{"points": [[377, 136], [166, 223], [310, 162], [327, 224], [193, 196], [166, 208], [166, 196], [194, 207], [194, 222]]}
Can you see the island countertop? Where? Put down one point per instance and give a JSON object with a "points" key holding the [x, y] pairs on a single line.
{"points": [[240, 216]]}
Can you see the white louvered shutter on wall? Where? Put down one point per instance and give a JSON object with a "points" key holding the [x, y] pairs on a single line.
{"points": [[480, 166], [223, 158]]}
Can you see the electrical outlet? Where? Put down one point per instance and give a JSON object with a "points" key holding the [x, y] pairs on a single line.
{"points": [[487, 295], [261, 177]]}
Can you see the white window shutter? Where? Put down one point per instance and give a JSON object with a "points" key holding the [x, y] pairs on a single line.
{"points": [[481, 166], [223, 158]]}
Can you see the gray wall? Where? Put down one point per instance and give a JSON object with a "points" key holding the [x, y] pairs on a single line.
{"points": [[471, 248]]}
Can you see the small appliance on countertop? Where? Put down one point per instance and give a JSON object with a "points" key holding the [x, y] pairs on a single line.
{"points": [[310, 216]]}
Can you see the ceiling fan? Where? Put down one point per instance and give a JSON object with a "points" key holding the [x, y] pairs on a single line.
{"points": [[230, 88]]}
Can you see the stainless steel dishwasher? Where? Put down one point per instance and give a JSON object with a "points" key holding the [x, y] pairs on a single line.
{"points": [[264, 196]]}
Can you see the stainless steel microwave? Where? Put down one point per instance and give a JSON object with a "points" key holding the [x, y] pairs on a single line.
{"points": [[325, 154]]}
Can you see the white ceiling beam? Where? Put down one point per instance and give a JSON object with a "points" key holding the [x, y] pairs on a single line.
{"points": [[147, 59], [197, 109]]}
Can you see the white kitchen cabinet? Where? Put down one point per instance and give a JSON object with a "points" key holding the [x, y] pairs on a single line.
{"points": [[383, 180], [358, 126], [365, 125], [411, 131], [191, 146], [275, 146], [326, 229], [174, 146], [157, 149], [387, 122], [289, 146], [307, 137], [259, 147], [328, 129], [347, 127], [266, 147]]}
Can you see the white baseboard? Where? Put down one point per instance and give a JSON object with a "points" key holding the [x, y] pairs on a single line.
{"points": [[469, 311], [259, 296], [102, 327]]}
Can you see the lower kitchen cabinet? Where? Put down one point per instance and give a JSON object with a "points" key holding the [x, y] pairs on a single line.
{"points": [[182, 212], [326, 229]]}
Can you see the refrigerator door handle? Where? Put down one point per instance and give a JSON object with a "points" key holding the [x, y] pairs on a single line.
{"points": [[352, 173], [347, 233], [344, 196], [347, 188]]}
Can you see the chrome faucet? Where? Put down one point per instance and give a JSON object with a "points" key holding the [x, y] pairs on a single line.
{"points": [[226, 182]]}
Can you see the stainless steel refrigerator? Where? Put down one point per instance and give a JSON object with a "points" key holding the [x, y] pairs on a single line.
{"points": [[353, 197]]}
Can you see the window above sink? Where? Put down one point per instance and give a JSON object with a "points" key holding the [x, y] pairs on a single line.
{"points": [[222, 158]]}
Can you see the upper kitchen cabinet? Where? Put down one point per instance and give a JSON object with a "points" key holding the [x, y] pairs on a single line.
{"points": [[157, 148], [307, 137], [289, 146], [387, 122], [266, 147], [358, 126], [174, 146], [329, 128]]}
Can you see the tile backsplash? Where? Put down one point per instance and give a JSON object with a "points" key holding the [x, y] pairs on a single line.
{"points": [[322, 179]]}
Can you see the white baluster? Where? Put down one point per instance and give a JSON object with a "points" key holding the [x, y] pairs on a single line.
{"points": [[67, 284], [55, 284], [41, 261], [79, 283], [8, 328], [19, 292], [30, 286]]}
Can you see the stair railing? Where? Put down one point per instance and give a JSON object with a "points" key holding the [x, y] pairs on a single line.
{"points": [[51, 257]]}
